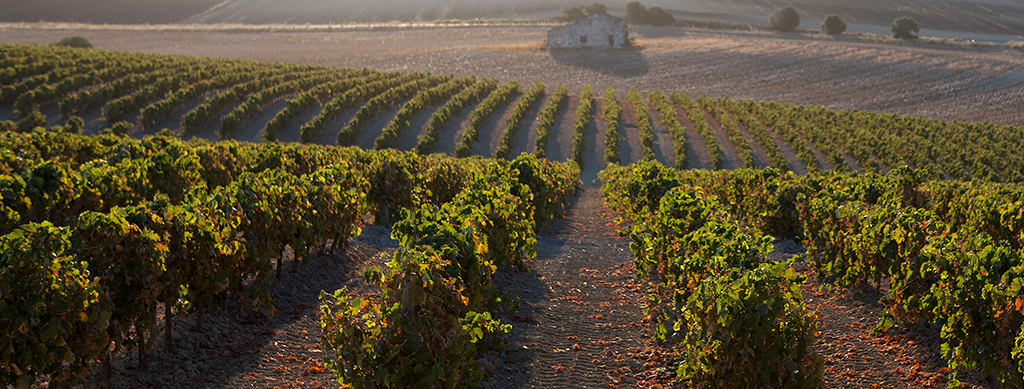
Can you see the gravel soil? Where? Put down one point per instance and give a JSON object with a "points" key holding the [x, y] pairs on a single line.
{"points": [[580, 306]]}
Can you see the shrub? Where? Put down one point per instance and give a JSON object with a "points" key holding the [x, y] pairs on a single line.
{"points": [[166, 132], [32, 121], [903, 28], [784, 19], [655, 16], [635, 11], [74, 125], [659, 17], [596, 8], [571, 13], [833, 25], [737, 319], [52, 306], [122, 128], [75, 41]]}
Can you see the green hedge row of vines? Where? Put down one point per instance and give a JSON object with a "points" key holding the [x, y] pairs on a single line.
{"points": [[952, 252], [102, 229], [547, 119], [736, 318]]}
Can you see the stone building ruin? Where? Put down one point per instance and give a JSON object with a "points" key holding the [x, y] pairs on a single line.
{"points": [[599, 31]]}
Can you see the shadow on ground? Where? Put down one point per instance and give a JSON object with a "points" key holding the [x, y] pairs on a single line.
{"points": [[619, 63]]}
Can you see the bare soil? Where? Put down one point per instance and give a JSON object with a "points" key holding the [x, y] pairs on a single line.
{"points": [[908, 355], [630, 149], [493, 128], [525, 138], [593, 147], [990, 16], [795, 164], [823, 162], [580, 312], [663, 142], [979, 18], [408, 139], [561, 133]]}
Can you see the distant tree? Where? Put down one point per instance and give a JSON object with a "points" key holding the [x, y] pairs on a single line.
{"points": [[640, 14], [904, 28], [659, 17], [596, 8], [833, 25], [572, 13], [635, 12], [784, 19], [75, 41]]}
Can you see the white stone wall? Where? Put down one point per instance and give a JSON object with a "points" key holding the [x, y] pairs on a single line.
{"points": [[592, 31]]}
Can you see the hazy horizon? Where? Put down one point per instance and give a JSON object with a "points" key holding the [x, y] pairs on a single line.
{"points": [[976, 16]]}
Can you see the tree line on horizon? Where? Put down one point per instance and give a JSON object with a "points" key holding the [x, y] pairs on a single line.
{"points": [[785, 19]]}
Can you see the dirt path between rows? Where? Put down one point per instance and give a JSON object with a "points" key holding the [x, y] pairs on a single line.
{"points": [[580, 315]]}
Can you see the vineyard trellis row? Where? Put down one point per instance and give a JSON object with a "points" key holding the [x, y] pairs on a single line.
{"points": [[953, 252], [233, 92], [547, 119], [157, 225]]}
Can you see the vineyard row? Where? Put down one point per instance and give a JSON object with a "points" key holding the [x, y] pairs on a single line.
{"points": [[127, 92]]}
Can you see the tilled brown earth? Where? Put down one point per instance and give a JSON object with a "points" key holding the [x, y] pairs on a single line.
{"points": [[580, 310], [906, 356]]}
